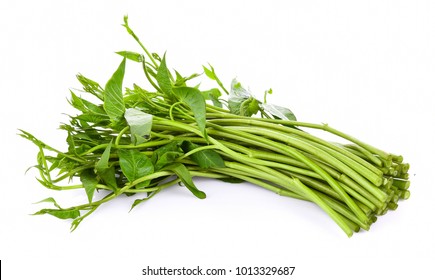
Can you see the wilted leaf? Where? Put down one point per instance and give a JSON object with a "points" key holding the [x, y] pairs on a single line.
{"points": [[279, 112], [140, 124]]}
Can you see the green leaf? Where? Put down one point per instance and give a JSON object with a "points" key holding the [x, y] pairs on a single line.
{"points": [[135, 165], [173, 146], [210, 72], [183, 173], [232, 180], [92, 118], [139, 201], [193, 76], [91, 86], [213, 95], [204, 158], [166, 155], [77, 102], [109, 178], [33, 139], [86, 106], [241, 102], [113, 99], [103, 163], [212, 75], [179, 80], [126, 25], [279, 112], [104, 171], [140, 124], [163, 78], [49, 200], [86, 137], [249, 107], [167, 158], [89, 181], [246, 107], [193, 98], [133, 56], [60, 213], [94, 109], [156, 56]]}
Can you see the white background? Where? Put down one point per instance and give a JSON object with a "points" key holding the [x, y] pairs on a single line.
{"points": [[365, 67]]}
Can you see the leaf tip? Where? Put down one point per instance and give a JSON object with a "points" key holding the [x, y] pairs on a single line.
{"points": [[201, 195]]}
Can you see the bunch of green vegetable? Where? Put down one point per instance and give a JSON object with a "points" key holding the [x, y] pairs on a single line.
{"points": [[138, 141]]}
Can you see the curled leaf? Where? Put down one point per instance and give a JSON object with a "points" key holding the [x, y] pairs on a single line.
{"points": [[136, 57], [241, 102]]}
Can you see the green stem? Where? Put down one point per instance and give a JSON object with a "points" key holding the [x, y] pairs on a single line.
{"points": [[365, 152], [248, 160], [294, 153], [349, 186], [121, 133], [208, 147], [324, 127], [319, 153], [143, 145], [130, 31], [292, 132], [147, 75], [297, 187], [172, 107]]}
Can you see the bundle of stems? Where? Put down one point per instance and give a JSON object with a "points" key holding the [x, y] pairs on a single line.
{"points": [[138, 142]]}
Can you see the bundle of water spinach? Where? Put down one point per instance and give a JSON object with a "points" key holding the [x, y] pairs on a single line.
{"points": [[140, 140]]}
